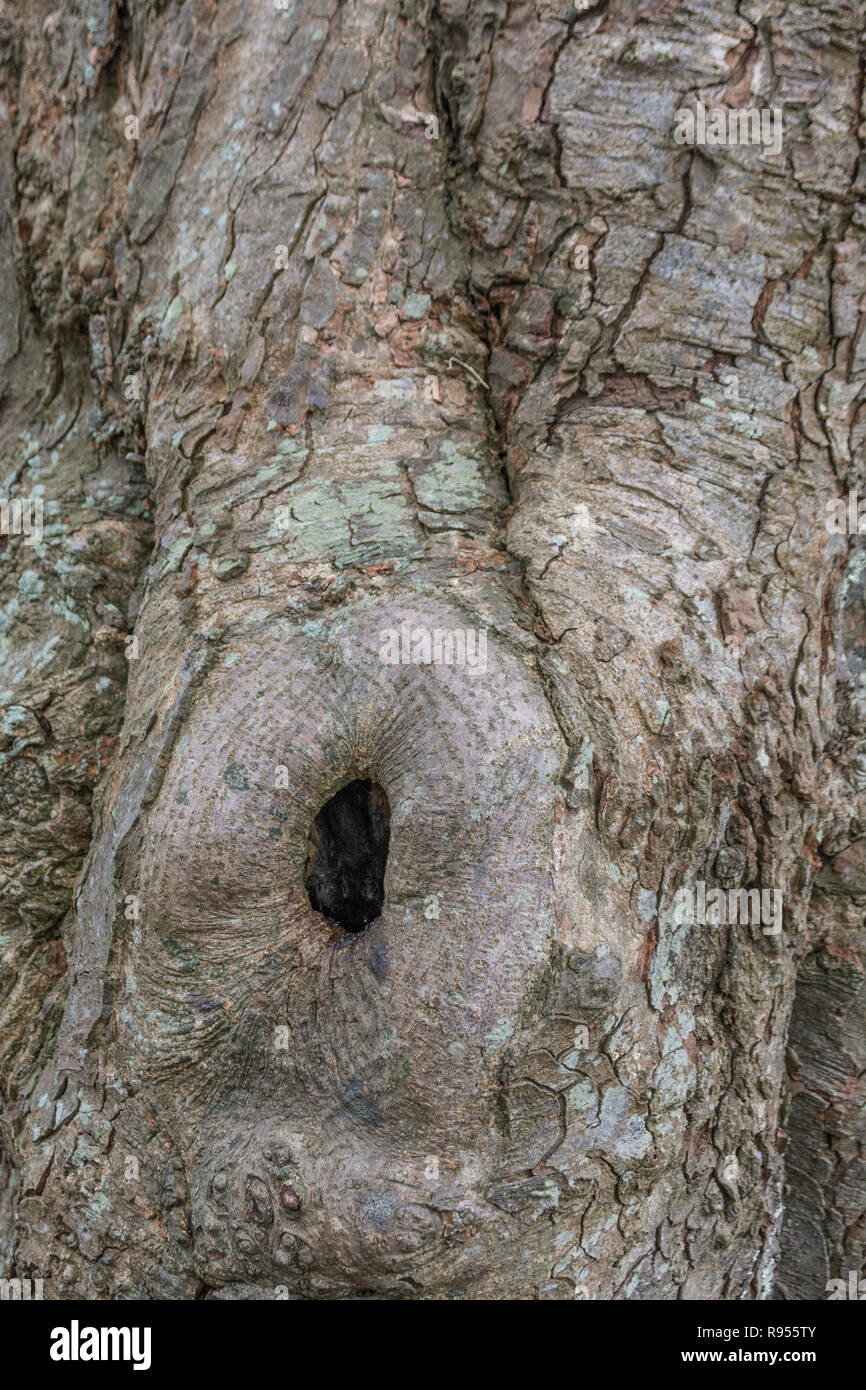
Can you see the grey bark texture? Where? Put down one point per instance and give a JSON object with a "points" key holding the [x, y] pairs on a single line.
{"points": [[323, 320]]}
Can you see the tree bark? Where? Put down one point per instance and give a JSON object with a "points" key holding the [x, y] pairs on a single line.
{"points": [[322, 324]]}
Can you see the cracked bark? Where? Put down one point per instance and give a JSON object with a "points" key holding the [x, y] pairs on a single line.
{"points": [[525, 1078]]}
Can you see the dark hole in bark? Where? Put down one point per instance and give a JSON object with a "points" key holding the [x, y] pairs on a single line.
{"points": [[348, 850]]}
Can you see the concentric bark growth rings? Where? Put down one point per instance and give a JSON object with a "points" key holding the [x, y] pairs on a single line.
{"points": [[345, 873], [248, 1023]]}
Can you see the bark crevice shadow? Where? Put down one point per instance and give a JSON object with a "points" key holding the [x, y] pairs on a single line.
{"points": [[347, 854]]}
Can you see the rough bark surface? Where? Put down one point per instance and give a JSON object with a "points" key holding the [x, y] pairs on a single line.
{"points": [[413, 312]]}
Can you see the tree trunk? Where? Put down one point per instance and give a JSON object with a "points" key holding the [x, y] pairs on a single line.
{"points": [[443, 450]]}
